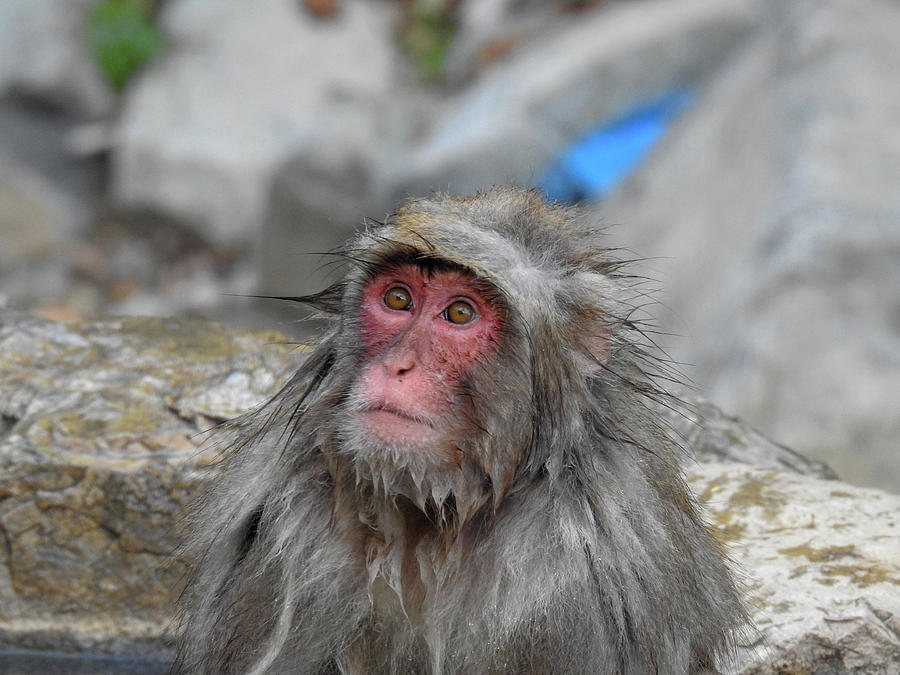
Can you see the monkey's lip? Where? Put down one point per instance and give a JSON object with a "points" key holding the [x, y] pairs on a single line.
{"points": [[397, 412]]}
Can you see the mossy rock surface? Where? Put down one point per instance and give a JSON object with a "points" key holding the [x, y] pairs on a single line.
{"points": [[104, 440]]}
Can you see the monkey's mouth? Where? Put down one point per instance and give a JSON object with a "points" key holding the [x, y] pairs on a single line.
{"points": [[384, 409], [398, 428]]}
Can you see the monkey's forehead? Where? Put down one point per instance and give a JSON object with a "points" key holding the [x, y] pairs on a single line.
{"points": [[460, 242], [511, 238]]}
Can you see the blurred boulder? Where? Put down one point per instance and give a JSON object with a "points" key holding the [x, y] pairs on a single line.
{"points": [[710, 435], [35, 214], [772, 216], [49, 86], [312, 210], [271, 114], [43, 54], [491, 29], [508, 125], [584, 69], [48, 197], [241, 88], [39, 218]]}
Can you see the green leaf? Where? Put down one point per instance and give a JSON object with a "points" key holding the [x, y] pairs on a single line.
{"points": [[121, 37]]}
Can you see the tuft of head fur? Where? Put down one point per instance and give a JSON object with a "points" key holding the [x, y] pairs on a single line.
{"points": [[564, 539]]}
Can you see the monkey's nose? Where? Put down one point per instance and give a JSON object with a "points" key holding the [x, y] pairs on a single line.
{"points": [[398, 367]]}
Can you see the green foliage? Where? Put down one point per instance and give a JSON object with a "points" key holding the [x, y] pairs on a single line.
{"points": [[427, 35], [121, 37]]}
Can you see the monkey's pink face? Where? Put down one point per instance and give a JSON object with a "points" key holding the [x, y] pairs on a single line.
{"points": [[422, 333]]}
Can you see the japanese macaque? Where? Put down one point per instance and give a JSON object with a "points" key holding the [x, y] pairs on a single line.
{"points": [[466, 475]]}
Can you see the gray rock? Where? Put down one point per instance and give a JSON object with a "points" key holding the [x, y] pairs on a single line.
{"points": [[499, 25], [710, 435], [777, 209], [509, 124], [43, 54], [820, 561], [242, 88], [313, 207], [34, 214], [523, 111], [38, 220], [227, 132], [99, 451]]}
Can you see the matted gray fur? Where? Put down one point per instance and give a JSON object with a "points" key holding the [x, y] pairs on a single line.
{"points": [[564, 541]]}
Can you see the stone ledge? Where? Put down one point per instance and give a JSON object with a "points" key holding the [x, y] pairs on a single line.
{"points": [[101, 447]]}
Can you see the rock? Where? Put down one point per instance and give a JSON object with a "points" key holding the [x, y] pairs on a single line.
{"points": [[821, 565], [43, 54], [784, 234], [523, 111], [241, 89], [226, 132], [33, 213], [313, 207], [38, 219], [102, 426], [489, 29], [504, 128], [48, 199], [710, 435], [68, 189]]}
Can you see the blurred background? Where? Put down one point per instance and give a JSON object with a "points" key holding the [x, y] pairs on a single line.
{"points": [[171, 157]]}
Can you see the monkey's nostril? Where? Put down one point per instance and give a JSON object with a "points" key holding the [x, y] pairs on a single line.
{"points": [[401, 369]]}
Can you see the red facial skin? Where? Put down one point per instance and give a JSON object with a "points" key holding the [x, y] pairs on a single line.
{"points": [[416, 357]]}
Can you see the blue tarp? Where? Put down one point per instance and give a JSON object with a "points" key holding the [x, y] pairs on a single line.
{"points": [[598, 161]]}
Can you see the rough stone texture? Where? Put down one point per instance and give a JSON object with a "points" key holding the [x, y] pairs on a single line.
{"points": [[242, 87], [781, 244], [101, 425], [821, 564], [99, 449], [43, 54]]}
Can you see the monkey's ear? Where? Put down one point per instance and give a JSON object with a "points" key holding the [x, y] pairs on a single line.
{"points": [[592, 321], [596, 347]]}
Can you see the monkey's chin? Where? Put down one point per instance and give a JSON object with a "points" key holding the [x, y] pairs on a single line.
{"points": [[399, 430]]}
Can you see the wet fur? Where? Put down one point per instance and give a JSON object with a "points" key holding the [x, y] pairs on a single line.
{"points": [[562, 540]]}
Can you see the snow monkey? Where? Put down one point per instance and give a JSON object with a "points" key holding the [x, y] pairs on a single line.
{"points": [[465, 475]]}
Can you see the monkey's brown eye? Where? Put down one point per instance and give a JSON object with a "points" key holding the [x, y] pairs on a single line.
{"points": [[397, 298], [459, 312]]}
